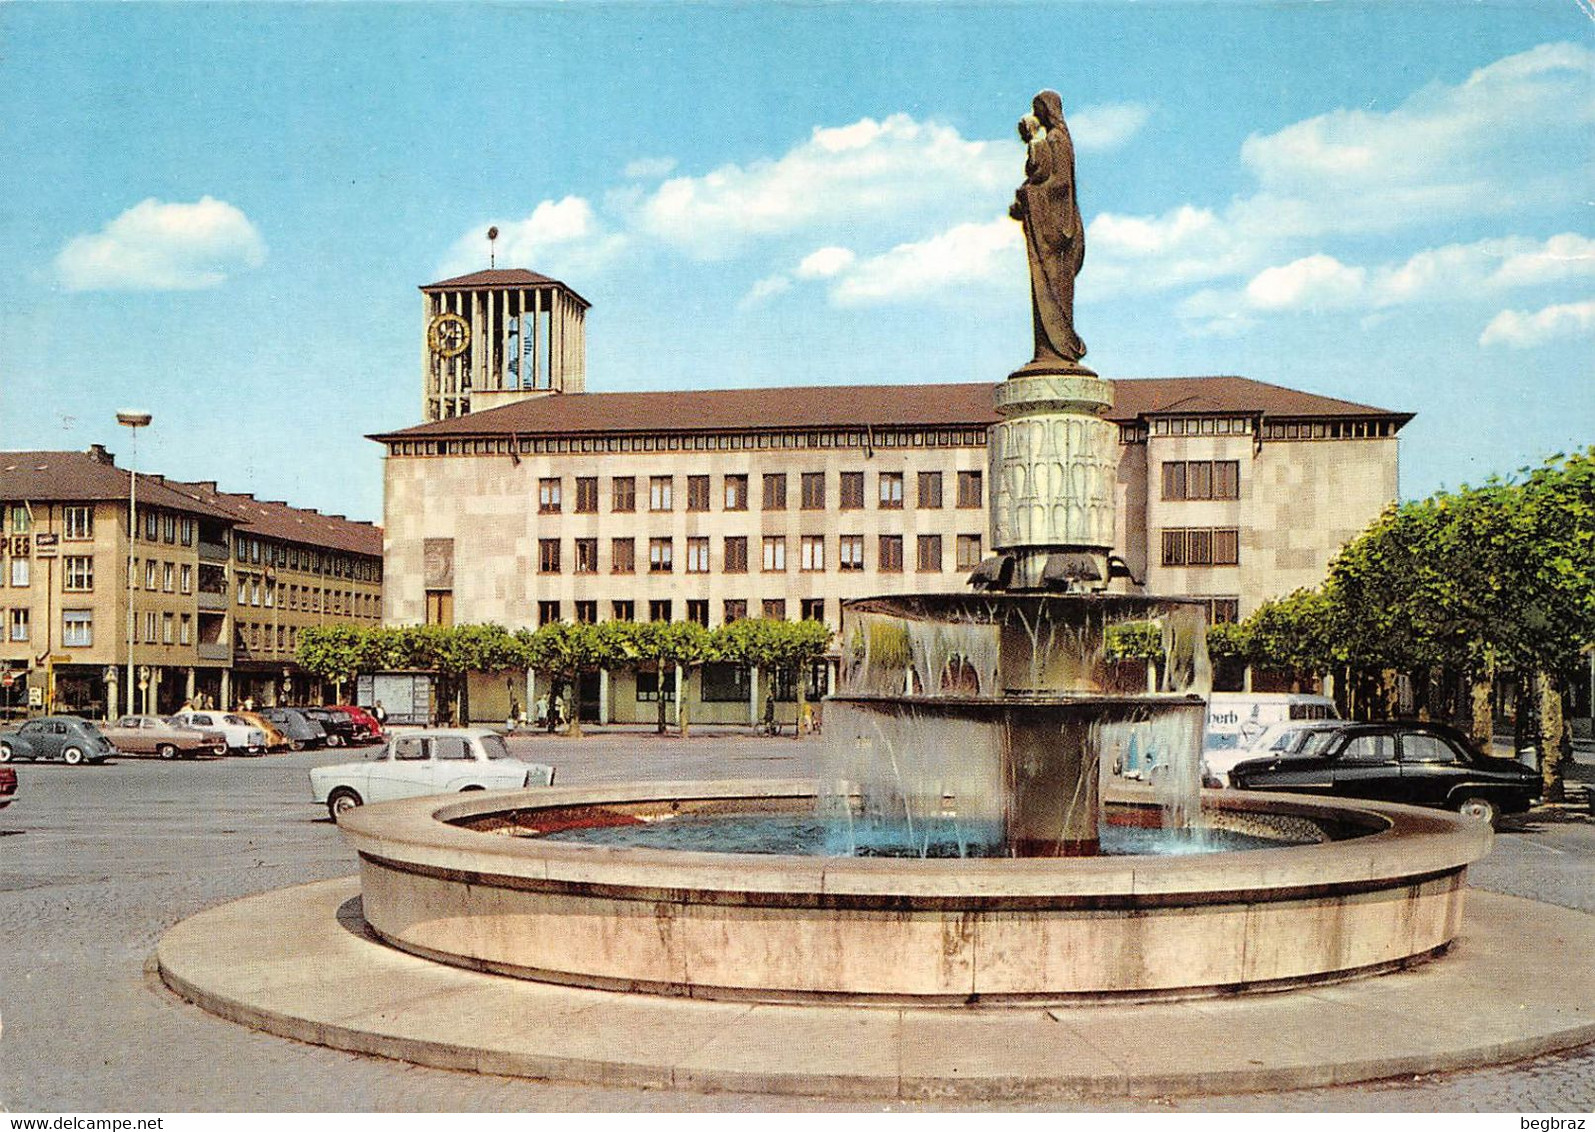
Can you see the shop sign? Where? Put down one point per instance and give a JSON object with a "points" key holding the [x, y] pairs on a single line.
{"points": [[46, 545]]}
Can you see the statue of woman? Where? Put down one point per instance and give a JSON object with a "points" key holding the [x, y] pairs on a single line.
{"points": [[1054, 234]]}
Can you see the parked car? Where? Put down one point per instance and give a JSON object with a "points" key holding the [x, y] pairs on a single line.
{"points": [[1424, 764], [302, 731], [152, 735], [8, 786], [65, 737], [342, 731], [239, 734], [365, 724], [1293, 737], [426, 762], [276, 740]]}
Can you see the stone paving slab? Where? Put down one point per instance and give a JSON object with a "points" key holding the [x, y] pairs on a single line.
{"points": [[1483, 1004]]}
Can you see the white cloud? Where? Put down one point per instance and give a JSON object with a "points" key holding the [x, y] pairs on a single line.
{"points": [[1525, 329], [1561, 257], [896, 170], [650, 168], [966, 255], [1106, 127], [158, 246], [765, 288], [825, 262], [1146, 254], [563, 237], [1314, 283]]}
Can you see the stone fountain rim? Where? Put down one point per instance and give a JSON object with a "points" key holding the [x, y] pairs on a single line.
{"points": [[416, 834]]}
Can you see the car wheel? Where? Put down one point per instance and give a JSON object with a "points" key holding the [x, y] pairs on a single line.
{"points": [[468, 789], [72, 756], [1479, 809], [296, 745], [334, 740], [341, 801], [5, 752], [166, 751]]}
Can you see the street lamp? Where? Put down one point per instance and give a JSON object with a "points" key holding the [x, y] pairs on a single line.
{"points": [[134, 420]]}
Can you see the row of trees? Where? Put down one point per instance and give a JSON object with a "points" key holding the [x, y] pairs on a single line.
{"points": [[1456, 592], [565, 650]]}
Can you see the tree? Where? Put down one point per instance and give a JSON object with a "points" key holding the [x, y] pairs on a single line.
{"points": [[571, 649], [667, 644], [332, 652]]}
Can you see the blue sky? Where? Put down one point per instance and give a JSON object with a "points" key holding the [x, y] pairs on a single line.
{"points": [[221, 213]]}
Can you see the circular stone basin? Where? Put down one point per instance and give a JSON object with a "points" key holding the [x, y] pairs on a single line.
{"points": [[476, 882]]}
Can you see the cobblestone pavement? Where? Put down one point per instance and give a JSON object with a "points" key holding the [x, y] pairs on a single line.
{"points": [[97, 862]]}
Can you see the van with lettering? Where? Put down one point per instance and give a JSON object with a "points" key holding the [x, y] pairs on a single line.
{"points": [[1237, 720]]}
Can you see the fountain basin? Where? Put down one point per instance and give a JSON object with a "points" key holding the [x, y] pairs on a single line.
{"points": [[1385, 890]]}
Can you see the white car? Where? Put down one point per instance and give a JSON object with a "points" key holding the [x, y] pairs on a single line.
{"points": [[442, 761], [240, 734], [1292, 737]]}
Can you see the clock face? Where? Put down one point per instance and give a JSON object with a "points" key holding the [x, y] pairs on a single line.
{"points": [[448, 335]]}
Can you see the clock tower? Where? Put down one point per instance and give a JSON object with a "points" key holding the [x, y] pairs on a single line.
{"points": [[498, 336]]}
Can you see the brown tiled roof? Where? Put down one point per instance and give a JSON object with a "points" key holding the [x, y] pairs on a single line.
{"points": [[66, 477], [501, 279], [277, 520], [964, 404]]}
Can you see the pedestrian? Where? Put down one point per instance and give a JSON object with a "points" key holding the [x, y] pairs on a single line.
{"points": [[380, 713]]}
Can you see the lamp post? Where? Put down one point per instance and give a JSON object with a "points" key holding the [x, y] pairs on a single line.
{"points": [[134, 420]]}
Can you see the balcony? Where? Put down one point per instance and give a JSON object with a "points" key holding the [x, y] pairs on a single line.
{"points": [[212, 551], [212, 602], [214, 651]]}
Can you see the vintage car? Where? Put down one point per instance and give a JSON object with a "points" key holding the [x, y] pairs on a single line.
{"points": [[1422, 764], [301, 731], [367, 728], [68, 738], [152, 735], [8, 786], [343, 730], [446, 760], [276, 739], [240, 735]]}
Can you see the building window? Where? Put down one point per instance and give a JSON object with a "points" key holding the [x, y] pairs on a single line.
{"points": [[152, 526], [775, 491], [648, 686], [21, 519], [623, 493], [698, 611], [586, 494], [186, 579], [929, 489], [149, 573], [622, 556], [891, 556], [698, 555], [1223, 610], [660, 491], [775, 608], [774, 553], [168, 628], [929, 561], [736, 497], [547, 612], [661, 556], [850, 553], [891, 491], [78, 575], [19, 571], [812, 552], [736, 554], [149, 627], [548, 502], [697, 493], [814, 491], [852, 493], [586, 612], [185, 630], [623, 610], [812, 609], [439, 606], [1201, 546], [168, 577], [969, 493], [548, 556], [1201, 479], [78, 522], [586, 556], [169, 527], [77, 628], [724, 683], [968, 549], [659, 609], [19, 625], [735, 609], [185, 532]]}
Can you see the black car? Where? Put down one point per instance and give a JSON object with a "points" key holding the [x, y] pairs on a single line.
{"points": [[1421, 764], [340, 728], [302, 731]]}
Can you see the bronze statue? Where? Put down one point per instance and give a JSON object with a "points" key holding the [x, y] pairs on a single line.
{"points": [[1054, 235]]}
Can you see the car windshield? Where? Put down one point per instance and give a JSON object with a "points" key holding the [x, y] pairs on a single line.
{"points": [[1312, 742], [236, 721], [495, 747]]}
